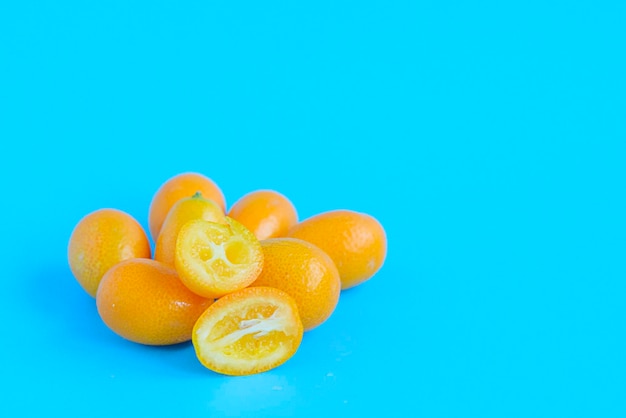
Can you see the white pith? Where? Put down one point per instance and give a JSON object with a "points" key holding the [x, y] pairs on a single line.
{"points": [[257, 326]]}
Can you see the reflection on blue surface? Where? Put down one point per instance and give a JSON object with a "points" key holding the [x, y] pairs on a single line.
{"points": [[247, 394]]}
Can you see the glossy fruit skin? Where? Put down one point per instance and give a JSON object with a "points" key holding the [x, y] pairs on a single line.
{"points": [[248, 331], [183, 211], [143, 301], [102, 239], [175, 188], [214, 259], [356, 242], [267, 213], [306, 273]]}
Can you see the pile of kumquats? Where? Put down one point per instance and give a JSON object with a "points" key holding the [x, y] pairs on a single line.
{"points": [[242, 284]]}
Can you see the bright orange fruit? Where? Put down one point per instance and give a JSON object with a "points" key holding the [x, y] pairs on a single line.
{"points": [[213, 259], [306, 273], [248, 331], [102, 239], [174, 189], [267, 213], [144, 301], [355, 241], [183, 211]]}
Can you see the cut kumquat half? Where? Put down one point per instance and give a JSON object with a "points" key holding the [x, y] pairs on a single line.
{"points": [[214, 259], [248, 331]]}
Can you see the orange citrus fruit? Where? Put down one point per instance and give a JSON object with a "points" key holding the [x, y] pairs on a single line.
{"points": [[355, 241], [213, 259], [267, 213], [186, 209], [174, 189], [143, 301], [102, 239], [306, 273], [248, 331]]}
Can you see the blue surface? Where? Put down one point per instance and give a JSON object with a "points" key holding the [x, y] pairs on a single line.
{"points": [[488, 138]]}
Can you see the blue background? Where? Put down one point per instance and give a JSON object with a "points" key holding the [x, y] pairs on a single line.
{"points": [[488, 138]]}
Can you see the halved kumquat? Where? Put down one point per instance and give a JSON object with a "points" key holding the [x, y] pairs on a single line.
{"points": [[213, 259], [248, 331]]}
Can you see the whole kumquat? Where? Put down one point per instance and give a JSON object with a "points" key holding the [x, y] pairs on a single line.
{"points": [[144, 301], [306, 273], [183, 211], [102, 239], [355, 241], [175, 188], [267, 213]]}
